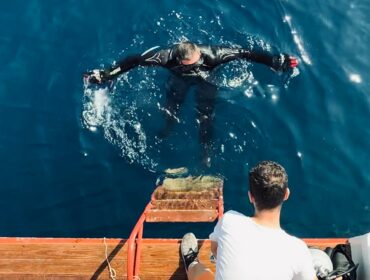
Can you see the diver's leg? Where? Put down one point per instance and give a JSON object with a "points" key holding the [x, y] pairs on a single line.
{"points": [[206, 100], [175, 96]]}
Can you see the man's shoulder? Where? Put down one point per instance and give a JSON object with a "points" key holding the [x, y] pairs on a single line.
{"points": [[231, 222], [296, 243], [233, 213], [157, 54], [234, 216]]}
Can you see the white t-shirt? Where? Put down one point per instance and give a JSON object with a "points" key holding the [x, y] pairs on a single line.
{"points": [[249, 251]]}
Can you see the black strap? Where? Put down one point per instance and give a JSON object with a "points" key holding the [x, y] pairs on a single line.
{"points": [[348, 273]]}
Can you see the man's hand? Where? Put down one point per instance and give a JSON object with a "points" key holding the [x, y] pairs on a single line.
{"points": [[96, 76], [284, 62], [293, 62], [214, 246]]}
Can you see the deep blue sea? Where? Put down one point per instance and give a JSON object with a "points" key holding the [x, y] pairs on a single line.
{"points": [[83, 163]]}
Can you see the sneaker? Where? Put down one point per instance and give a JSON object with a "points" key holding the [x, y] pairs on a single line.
{"points": [[189, 249]]}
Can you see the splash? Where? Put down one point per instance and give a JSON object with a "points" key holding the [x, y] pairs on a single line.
{"points": [[95, 108], [119, 123]]}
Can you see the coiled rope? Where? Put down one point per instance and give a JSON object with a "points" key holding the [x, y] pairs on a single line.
{"points": [[112, 272]]}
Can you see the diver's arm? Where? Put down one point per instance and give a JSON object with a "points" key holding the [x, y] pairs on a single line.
{"points": [[125, 65], [98, 76], [280, 62], [148, 58]]}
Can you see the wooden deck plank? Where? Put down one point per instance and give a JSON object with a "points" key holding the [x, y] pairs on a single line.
{"points": [[49, 266], [168, 258], [322, 243], [60, 258], [45, 240], [50, 277], [85, 258], [58, 250], [34, 251]]}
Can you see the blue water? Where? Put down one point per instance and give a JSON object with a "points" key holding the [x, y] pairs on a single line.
{"points": [[84, 163]]}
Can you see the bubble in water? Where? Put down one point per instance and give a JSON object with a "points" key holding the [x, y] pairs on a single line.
{"points": [[249, 92], [232, 135]]}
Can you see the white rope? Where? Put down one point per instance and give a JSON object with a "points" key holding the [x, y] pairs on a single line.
{"points": [[112, 272]]}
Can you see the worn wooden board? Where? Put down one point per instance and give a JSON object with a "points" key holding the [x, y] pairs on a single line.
{"points": [[24, 258], [181, 215], [185, 204], [64, 258], [39, 258]]}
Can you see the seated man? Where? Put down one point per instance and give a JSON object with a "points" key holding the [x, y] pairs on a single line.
{"points": [[254, 247]]}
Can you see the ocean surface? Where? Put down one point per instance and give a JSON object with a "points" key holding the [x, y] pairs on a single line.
{"points": [[77, 162]]}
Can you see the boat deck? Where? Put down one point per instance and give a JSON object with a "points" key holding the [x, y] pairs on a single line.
{"points": [[71, 258]]}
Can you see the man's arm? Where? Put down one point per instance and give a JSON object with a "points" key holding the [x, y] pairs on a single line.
{"points": [[214, 246], [280, 62], [214, 236], [150, 57]]}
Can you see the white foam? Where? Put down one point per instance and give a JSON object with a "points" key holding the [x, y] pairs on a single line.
{"points": [[119, 124], [355, 78], [297, 40]]}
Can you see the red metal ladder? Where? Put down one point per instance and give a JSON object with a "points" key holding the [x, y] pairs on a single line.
{"points": [[203, 205]]}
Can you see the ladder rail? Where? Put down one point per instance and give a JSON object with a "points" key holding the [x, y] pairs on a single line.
{"points": [[134, 245], [136, 236]]}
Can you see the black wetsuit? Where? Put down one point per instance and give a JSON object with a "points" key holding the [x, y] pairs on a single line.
{"points": [[211, 57], [186, 76]]}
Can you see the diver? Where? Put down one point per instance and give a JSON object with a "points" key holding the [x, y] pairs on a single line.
{"points": [[190, 64]]}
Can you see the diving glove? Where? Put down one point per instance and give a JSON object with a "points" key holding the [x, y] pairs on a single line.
{"points": [[97, 76], [284, 62]]}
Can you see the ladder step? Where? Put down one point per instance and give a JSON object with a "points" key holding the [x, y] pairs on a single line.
{"points": [[210, 193], [185, 204], [181, 215]]}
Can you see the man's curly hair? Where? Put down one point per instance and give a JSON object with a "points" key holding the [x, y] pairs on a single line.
{"points": [[268, 183]]}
